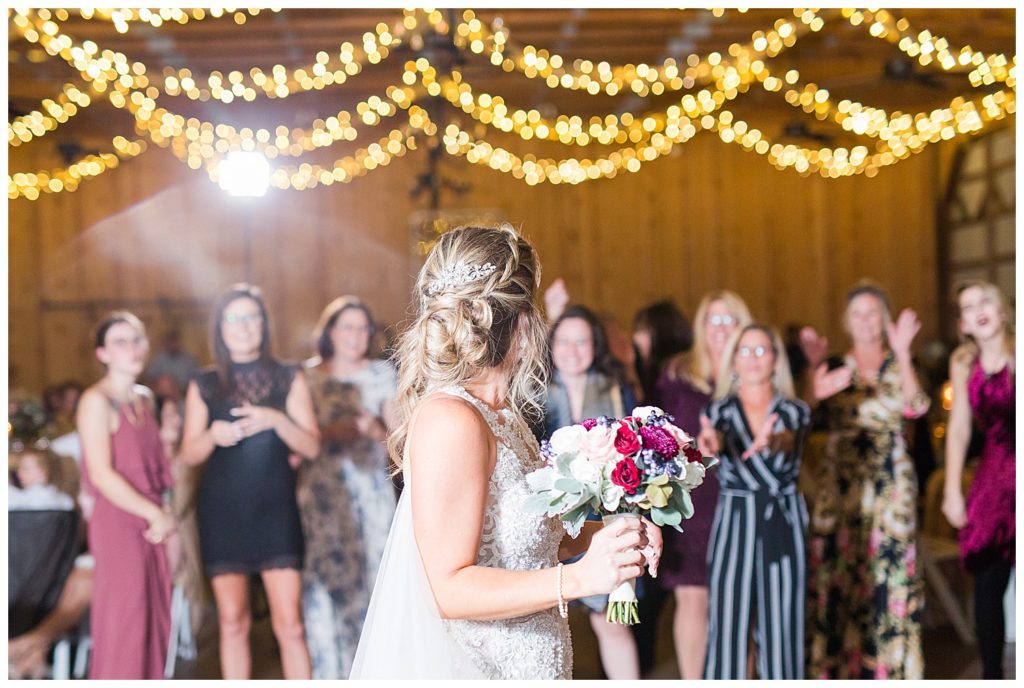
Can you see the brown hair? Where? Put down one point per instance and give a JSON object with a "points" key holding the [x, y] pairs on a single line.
{"points": [[109, 320], [328, 319], [220, 350]]}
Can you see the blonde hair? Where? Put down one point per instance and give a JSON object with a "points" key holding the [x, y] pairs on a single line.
{"points": [[782, 378], [694, 365], [468, 328], [968, 349]]}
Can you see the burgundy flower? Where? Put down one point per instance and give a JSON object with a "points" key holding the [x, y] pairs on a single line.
{"points": [[589, 423], [626, 475], [659, 440], [693, 455], [626, 441]]}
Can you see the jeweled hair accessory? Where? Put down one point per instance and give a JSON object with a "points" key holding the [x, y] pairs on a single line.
{"points": [[457, 275]]}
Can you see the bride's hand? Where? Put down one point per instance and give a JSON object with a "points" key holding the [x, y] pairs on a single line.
{"points": [[614, 556]]}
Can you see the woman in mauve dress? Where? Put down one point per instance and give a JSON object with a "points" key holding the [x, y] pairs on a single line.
{"points": [[126, 471]]}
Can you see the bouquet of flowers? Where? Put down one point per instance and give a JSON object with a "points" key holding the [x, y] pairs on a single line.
{"points": [[640, 465]]}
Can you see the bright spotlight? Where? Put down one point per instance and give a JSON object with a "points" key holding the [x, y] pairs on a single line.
{"points": [[244, 174]]}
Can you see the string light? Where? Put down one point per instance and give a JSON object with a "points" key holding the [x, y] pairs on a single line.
{"points": [[642, 137], [124, 17], [929, 49], [131, 91], [642, 79], [31, 185], [326, 69], [51, 113]]}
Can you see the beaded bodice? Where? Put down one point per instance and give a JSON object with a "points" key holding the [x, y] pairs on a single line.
{"points": [[536, 646]]}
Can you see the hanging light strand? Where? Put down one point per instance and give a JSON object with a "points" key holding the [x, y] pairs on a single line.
{"points": [[131, 90], [31, 184], [597, 77], [50, 114]]}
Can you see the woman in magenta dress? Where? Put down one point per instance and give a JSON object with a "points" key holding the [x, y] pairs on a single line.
{"points": [[683, 390], [983, 388], [126, 471]]}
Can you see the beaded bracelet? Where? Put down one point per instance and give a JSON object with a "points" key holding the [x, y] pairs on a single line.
{"points": [[563, 606]]}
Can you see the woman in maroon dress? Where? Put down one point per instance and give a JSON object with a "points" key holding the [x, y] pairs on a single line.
{"points": [[683, 390], [125, 470], [983, 387]]}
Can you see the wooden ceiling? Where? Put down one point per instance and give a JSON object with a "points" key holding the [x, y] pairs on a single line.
{"points": [[841, 57]]}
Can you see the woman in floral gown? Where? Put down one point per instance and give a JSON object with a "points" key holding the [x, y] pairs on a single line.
{"points": [[346, 498], [865, 596]]}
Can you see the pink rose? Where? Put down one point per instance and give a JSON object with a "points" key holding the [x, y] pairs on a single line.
{"points": [[626, 441], [599, 445], [898, 607], [678, 434]]}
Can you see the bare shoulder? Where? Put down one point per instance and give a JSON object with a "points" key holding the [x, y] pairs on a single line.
{"points": [[93, 404], [960, 362], [450, 429], [445, 414]]}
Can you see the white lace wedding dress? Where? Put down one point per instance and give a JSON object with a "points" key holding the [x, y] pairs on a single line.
{"points": [[404, 635]]}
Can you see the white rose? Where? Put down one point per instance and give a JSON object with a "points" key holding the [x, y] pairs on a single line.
{"points": [[568, 440], [693, 474], [586, 472], [642, 412]]}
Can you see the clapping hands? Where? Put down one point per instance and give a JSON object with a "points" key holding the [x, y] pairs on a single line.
{"points": [[709, 440], [763, 437]]}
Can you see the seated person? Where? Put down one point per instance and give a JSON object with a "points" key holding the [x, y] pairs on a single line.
{"points": [[33, 486], [35, 471]]}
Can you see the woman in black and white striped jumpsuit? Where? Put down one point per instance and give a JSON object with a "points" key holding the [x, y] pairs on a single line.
{"points": [[757, 559]]}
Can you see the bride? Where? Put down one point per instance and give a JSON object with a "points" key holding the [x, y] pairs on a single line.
{"points": [[471, 585]]}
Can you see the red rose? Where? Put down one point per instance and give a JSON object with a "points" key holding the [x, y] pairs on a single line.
{"points": [[692, 454], [626, 441], [626, 475]]}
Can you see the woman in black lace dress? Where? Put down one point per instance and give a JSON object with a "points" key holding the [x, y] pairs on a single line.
{"points": [[244, 417]]}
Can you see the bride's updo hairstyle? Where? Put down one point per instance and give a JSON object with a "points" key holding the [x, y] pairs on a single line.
{"points": [[474, 310]]}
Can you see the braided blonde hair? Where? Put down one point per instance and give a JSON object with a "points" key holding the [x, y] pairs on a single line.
{"points": [[465, 329]]}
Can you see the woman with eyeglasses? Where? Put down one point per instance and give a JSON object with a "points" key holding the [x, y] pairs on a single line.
{"points": [[125, 470], [756, 584], [243, 418], [865, 596], [683, 390], [346, 497]]}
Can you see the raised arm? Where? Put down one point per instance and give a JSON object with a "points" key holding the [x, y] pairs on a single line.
{"points": [[93, 421], [452, 454], [901, 334]]}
